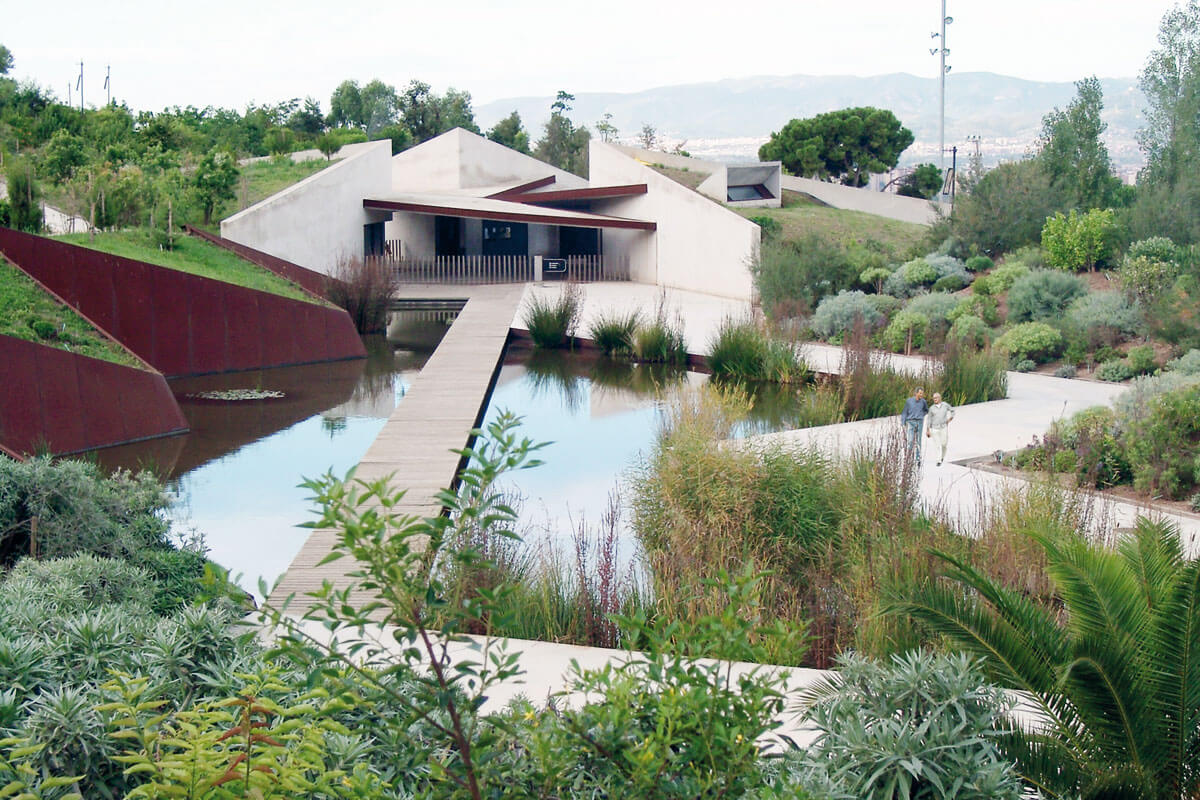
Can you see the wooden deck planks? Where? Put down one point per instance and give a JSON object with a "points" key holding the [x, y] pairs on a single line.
{"points": [[436, 416]]}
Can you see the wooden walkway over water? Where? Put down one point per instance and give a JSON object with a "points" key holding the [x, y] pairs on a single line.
{"points": [[444, 403]]}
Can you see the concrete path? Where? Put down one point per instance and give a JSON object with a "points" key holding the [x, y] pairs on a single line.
{"points": [[444, 403]]}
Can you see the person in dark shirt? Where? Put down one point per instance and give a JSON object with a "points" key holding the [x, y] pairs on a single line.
{"points": [[913, 419]]}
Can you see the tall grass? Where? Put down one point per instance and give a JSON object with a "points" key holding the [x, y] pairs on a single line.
{"points": [[659, 341], [364, 287], [870, 387], [613, 332], [742, 350], [972, 376], [552, 322]]}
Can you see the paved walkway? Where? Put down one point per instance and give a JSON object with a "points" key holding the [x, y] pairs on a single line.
{"points": [[445, 401]]}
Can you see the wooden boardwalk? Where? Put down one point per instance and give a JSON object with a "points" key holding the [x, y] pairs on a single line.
{"points": [[445, 402]]}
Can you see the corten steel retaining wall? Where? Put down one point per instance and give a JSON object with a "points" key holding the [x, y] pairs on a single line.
{"points": [[64, 402], [307, 279], [183, 324]]}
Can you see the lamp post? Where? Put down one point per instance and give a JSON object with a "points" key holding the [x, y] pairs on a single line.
{"points": [[941, 53]]}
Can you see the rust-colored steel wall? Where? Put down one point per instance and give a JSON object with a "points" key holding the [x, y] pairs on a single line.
{"points": [[183, 324], [310, 280], [63, 402]]}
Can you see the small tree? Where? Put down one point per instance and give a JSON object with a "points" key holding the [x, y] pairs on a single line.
{"points": [[214, 181], [24, 196], [511, 133], [1079, 241], [924, 181], [562, 144], [848, 144], [648, 136], [328, 144]]}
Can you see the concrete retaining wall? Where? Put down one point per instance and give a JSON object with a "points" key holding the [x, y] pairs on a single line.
{"points": [[183, 324], [883, 204], [61, 402]]}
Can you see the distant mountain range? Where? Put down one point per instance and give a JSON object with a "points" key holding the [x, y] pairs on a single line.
{"points": [[730, 118]]}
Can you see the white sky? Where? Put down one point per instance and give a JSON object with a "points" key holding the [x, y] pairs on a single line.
{"points": [[164, 52]]}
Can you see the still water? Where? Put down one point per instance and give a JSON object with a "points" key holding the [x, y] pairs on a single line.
{"points": [[601, 418], [235, 477]]}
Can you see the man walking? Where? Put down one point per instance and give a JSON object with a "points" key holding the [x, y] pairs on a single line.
{"points": [[913, 418], [940, 415]]}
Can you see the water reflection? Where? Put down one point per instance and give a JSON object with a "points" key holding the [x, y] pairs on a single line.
{"points": [[236, 474]]}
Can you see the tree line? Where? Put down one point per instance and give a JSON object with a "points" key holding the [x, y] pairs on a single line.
{"points": [[118, 167]]}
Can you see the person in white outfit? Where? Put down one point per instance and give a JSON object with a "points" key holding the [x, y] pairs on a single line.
{"points": [[940, 414]]}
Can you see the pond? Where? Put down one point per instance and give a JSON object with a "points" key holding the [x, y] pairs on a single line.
{"points": [[256, 435], [601, 417]]}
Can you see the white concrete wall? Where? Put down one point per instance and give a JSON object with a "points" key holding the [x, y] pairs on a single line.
{"points": [[716, 185], [883, 204], [415, 232], [543, 240], [319, 220], [459, 159], [668, 159], [700, 245]]}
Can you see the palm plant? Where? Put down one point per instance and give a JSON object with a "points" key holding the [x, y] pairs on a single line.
{"points": [[1115, 679]]}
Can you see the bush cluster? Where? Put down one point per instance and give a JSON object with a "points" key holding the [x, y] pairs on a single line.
{"points": [[838, 313], [552, 321], [1035, 341], [1000, 279], [1105, 318], [1043, 295], [744, 351]]}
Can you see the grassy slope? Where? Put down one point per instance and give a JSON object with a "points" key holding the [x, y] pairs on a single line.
{"points": [[262, 179], [839, 225], [195, 256], [23, 301]]}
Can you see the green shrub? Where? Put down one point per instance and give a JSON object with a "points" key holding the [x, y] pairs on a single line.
{"points": [[743, 351], [1064, 461], [969, 331], [1194, 503], [1163, 446], [977, 305], [885, 304], [771, 227], [1186, 364], [1035, 341], [793, 276], [1065, 371], [1141, 360], [906, 332], [1105, 318], [1031, 255], [979, 264], [78, 509], [1145, 278], [1025, 365], [936, 307], [43, 329], [910, 278], [1156, 248], [836, 314], [613, 332], [923, 726], [1080, 241], [1043, 295], [552, 321], [1004, 276], [950, 283], [1115, 371]]}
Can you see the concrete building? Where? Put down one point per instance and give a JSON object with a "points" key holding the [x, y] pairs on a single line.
{"points": [[462, 202]]}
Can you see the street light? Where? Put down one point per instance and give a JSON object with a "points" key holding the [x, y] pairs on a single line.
{"points": [[941, 53]]}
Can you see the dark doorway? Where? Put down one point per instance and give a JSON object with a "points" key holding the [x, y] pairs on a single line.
{"points": [[447, 236], [578, 242], [505, 238], [372, 239]]}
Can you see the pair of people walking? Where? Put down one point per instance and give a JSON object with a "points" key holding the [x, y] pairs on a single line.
{"points": [[913, 420]]}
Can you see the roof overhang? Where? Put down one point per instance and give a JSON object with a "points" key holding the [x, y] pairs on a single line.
{"points": [[491, 208], [590, 193]]}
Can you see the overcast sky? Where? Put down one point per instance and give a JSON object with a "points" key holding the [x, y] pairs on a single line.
{"points": [[233, 53]]}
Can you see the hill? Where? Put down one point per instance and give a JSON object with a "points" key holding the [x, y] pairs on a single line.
{"points": [[729, 118]]}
